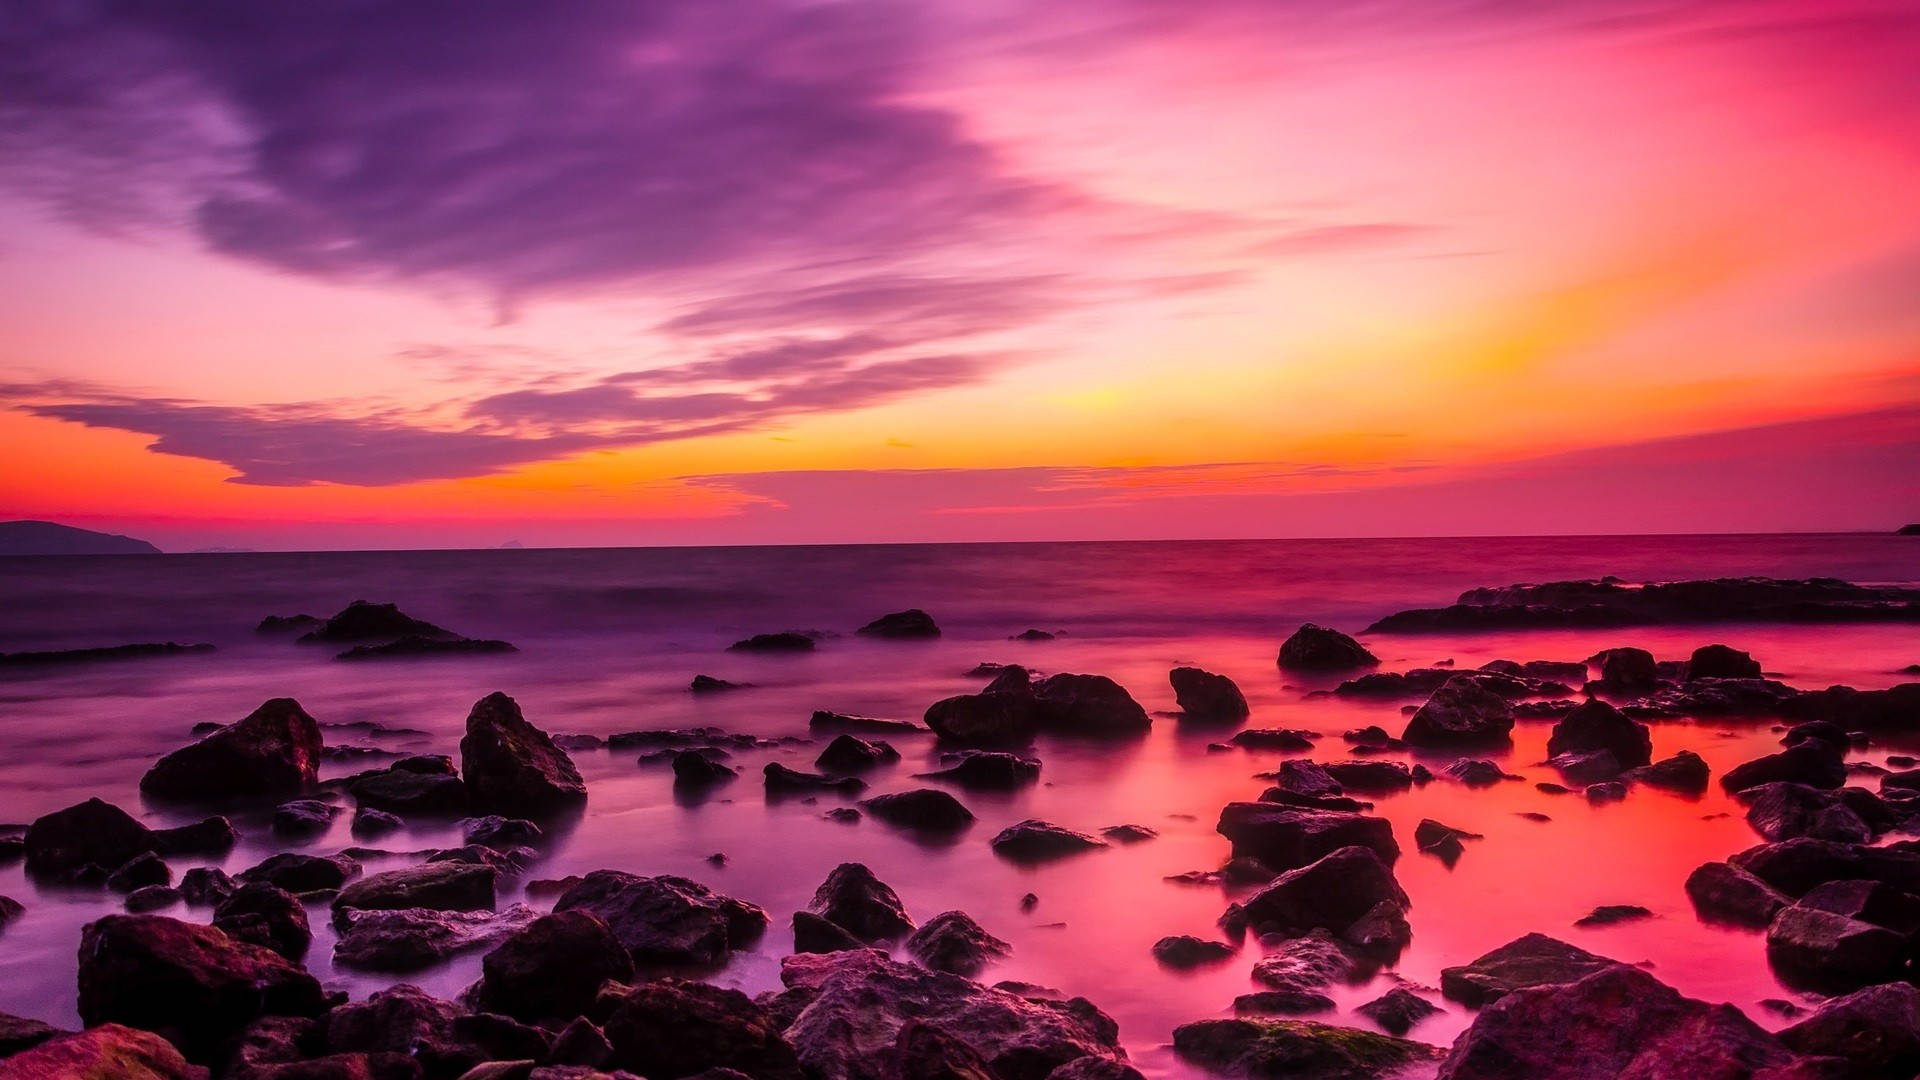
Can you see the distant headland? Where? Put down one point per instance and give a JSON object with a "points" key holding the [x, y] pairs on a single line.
{"points": [[47, 538]]}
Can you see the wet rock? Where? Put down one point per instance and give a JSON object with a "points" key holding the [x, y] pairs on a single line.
{"points": [[140, 901], [1398, 1010], [674, 1028], [501, 833], [1129, 834], [861, 1000], [581, 1042], [991, 718], [988, 770], [1829, 950], [902, 625], [265, 915], [512, 767], [666, 920], [785, 641], [1011, 679], [855, 900], [1876, 1030], [1287, 837], [1596, 725], [303, 819], [191, 983], [1615, 1022], [363, 621], [1721, 662], [1370, 777], [1309, 778], [1184, 951], [1610, 791], [1477, 772], [204, 886], [925, 810], [275, 750], [694, 769], [1303, 1049], [140, 871], [925, 1051], [1586, 767], [1684, 772], [1092, 705], [409, 939], [1034, 840], [1820, 732], [1442, 841], [1625, 670], [845, 815], [1610, 914], [415, 646], [816, 934], [407, 790], [1796, 866], [1418, 682], [1460, 713], [1310, 962], [1282, 1003], [405, 1020], [440, 886], [107, 1052], [1281, 739], [1528, 961], [850, 753], [951, 941], [1320, 649], [1334, 893], [782, 780], [832, 723], [1206, 697], [552, 968], [1874, 711], [297, 873], [1780, 811], [1808, 763]]}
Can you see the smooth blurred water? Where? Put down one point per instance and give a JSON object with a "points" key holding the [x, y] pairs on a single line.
{"points": [[610, 638]]}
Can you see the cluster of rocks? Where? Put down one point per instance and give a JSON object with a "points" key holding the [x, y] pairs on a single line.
{"points": [[1611, 602], [378, 632]]}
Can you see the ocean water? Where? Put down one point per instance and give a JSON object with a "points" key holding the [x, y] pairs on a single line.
{"points": [[608, 640]]}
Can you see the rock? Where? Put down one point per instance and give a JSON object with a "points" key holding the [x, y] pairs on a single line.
{"points": [[408, 939], [1443, 841], [1333, 893], [1311, 962], [666, 920], [1527, 961], [855, 900], [861, 1000], [1395, 684], [410, 791], [1370, 777], [785, 641], [1206, 697], [1477, 772], [1781, 811], [501, 833], [1460, 713], [832, 723], [1034, 840], [925, 1051], [845, 815], [107, 1052], [93, 833], [902, 625], [1282, 1003], [297, 873], [1129, 834], [991, 718], [707, 684], [1721, 662], [1285, 740], [143, 869], [1685, 771], [1626, 670], [1586, 767], [1609, 914], [816, 934], [1302, 1049], [205, 886], [1011, 679], [1796, 866], [1610, 602], [19, 1033], [1891, 710], [1093, 705], [362, 621], [415, 645], [582, 1043], [1615, 1022], [1186, 951], [673, 1028], [303, 819], [1319, 649], [1822, 732], [951, 941], [925, 810], [784, 781], [1398, 1010], [694, 769], [1596, 725], [265, 915], [512, 767], [140, 901], [850, 754], [1812, 946], [988, 770], [1287, 837], [405, 1020], [275, 750], [191, 983], [1877, 1030], [440, 886], [1808, 763], [1305, 778], [552, 968], [1093, 1068]]}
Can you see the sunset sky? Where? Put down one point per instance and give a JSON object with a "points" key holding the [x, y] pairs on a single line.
{"points": [[316, 275]]}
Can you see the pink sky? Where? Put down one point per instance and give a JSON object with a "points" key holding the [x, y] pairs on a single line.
{"points": [[825, 272]]}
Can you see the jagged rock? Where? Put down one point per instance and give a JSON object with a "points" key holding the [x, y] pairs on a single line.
{"points": [[552, 968], [1596, 725], [674, 1028], [191, 983], [1685, 771], [1398, 1010], [1206, 697], [512, 767], [911, 623], [275, 750], [408, 939], [1317, 648], [951, 941], [1477, 772], [1303, 1049], [1460, 713], [107, 1052], [1781, 811], [405, 1020], [1186, 951], [1034, 840], [265, 915], [990, 718], [1876, 1030], [1333, 893], [923, 1050], [1807, 763], [1527, 961], [1287, 837], [297, 873], [582, 1043], [1812, 943], [988, 770], [858, 902], [784, 641], [850, 753], [1586, 767], [925, 810], [440, 886], [1071, 704], [666, 920], [501, 833], [1443, 841]]}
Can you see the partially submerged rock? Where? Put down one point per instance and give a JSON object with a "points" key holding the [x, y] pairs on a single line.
{"points": [[274, 751], [1182, 951], [1596, 725], [363, 621], [924, 810], [1398, 1010], [1461, 713], [666, 920], [1320, 649], [107, 1052], [552, 968], [441, 886], [782, 780], [1296, 1049], [1093, 705], [1338, 893], [416, 646], [408, 939], [850, 754], [512, 767], [951, 941], [1034, 840], [992, 770], [1527, 961], [902, 625], [1287, 837], [1722, 892], [1783, 811], [990, 718], [1206, 697], [785, 641], [853, 899], [1875, 1030]]}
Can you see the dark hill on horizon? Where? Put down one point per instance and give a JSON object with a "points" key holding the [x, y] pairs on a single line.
{"points": [[48, 538]]}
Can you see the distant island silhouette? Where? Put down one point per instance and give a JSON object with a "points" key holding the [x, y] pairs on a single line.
{"points": [[48, 538]]}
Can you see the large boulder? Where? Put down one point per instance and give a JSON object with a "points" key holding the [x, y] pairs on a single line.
{"points": [[1626, 670], [107, 1052], [1783, 811], [191, 983], [512, 767], [1320, 649], [1876, 1030], [1297, 1050], [439, 886], [1618, 1021], [274, 751], [1071, 704], [853, 899], [1721, 662], [552, 969], [666, 920], [673, 1028], [992, 718], [1206, 697], [1811, 763], [1836, 938], [1595, 725], [861, 1001], [1461, 713], [1286, 837], [1530, 960], [94, 833], [1334, 893]]}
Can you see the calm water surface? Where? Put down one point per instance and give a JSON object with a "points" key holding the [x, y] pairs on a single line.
{"points": [[609, 639]]}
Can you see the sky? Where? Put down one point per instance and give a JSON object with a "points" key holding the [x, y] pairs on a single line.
{"points": [[441, 273]]}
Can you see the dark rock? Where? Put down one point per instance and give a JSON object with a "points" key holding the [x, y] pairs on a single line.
{"points": [[1398, 1010], [275, 750], [845, 815], [205, 886], [785, 641], [1308, 778], [1609, 914], [142, 870], [407, 791], [1032, 635], [672, 1028], [694, 769], [582, 1042], [140, 901], [1283, 739], [707, 684], [1282, 1003], [1206, 697], [1296, 1048], [1877, 1030], [190, 983], [1685, 771], [416, 646], [1460, 713], [988, 770], [1780, 811], [991, 718], [408, 939], [501, 833], [1531, 960], [441, 886], [1827, 949], [1625, 670], [1129, 834], [1610, 791], [362, 621], [303, 819], [107, 1052], [816, 934], [850, 753], [297, 873], [1317, 648], [782, 780], [1477, 772], [666, 920], [1286, 837], [900, 625], [1819, 732], [19, 1033], [1095, 1068], [1796, 866], [926, 810], [1310, 962], [1808, 763], [1597, 725], [551, 969], [1333, 893], [138, 651], [951, 941], [1891, 710], [853, 899], [1186, 951], [1395, 684], [824, 722], [1610, 602], [1586, 767], [1070, 704], [1034, 840], [265, 915], [1443, 841], [1721, 662], [1011, 679], [512, 767], [1370, 777]]}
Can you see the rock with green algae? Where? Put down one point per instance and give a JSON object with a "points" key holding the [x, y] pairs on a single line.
{"points": [[1298, 1050]]}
